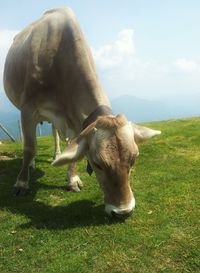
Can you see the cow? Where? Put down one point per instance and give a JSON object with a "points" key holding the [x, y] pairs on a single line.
{"points": [[49, 75]]}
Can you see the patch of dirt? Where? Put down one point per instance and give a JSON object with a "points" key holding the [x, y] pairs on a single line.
{"points": [[5, 157]]}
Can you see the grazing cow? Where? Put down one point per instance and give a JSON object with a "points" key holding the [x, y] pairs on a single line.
{"points": [[50, 75]]}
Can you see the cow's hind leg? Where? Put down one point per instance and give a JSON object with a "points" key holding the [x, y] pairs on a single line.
{"points": [[29, 129], [74, 183], [57, 151]]}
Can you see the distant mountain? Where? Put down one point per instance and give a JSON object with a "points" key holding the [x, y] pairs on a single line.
{"points": [[138, 109], [141, 110], [10, 116], [11, 122], [135, 109]]}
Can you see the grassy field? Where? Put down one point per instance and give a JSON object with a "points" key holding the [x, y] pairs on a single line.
{"points": [[52, 230]]}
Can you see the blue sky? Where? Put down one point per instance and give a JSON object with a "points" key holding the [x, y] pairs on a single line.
{"points": [[148, 49]]}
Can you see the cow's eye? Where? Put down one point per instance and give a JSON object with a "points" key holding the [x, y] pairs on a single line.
{"points": [[97, 166]]}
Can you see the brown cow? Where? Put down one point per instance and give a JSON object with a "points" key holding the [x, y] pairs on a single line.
{"points": [[50, 75]]}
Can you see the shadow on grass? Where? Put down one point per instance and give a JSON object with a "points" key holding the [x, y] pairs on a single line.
{"points": [[42, 216]]}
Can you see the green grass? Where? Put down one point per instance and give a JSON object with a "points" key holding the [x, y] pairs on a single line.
{"points": [[52, 230]]}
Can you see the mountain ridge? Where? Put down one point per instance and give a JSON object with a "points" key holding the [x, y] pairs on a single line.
{"points": [[134, 108]]}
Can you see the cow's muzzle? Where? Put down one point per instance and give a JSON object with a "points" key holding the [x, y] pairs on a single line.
{"points": [[120, 212], [123, 215]]}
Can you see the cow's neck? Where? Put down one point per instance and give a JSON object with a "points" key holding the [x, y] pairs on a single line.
{"points": [[85, 103], [101, 110], [92, 104]]}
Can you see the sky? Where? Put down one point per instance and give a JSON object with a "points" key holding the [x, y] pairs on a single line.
{"points": [[147, 49]]}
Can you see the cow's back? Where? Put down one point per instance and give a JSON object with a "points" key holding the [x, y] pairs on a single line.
{"points": [[48, 59]]}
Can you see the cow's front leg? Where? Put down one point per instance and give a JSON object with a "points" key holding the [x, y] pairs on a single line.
{"points": [[29, 128], [74, 183]]}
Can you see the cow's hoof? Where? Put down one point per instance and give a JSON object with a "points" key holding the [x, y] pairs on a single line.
{"points": [[19, 191], [21, 188], [75, 184], [74, 188]]}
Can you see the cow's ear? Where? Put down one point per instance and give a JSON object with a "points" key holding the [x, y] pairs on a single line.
{"points": [[75, 151], [142, 133]]}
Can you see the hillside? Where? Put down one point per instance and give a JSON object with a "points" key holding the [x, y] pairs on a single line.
{"points": [[52, 230]]}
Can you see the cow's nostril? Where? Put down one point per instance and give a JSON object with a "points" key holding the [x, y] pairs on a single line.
{"points": [[121, 215]]}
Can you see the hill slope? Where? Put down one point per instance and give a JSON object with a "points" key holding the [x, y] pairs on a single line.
{"points": [[52, 230]]}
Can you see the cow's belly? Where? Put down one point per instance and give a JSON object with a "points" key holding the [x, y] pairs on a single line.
{"points": [[58, 119]]}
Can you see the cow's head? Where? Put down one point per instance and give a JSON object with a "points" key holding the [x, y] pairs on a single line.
{"points": [[111, 147]]}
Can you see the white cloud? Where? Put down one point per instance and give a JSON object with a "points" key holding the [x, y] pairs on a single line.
{"points": [[6, 38], [123, 71], [120, 60], [114, 54], [186, 65]]}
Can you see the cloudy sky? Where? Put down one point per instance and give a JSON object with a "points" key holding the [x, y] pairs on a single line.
{"points": [[148, 49]]}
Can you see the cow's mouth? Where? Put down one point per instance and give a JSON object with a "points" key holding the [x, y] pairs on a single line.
{"points": [[121, 212], [121, 216]]}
